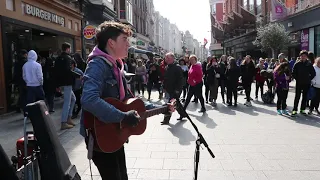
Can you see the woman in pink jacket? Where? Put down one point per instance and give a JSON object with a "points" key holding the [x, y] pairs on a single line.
{"points": [[195, 81]]}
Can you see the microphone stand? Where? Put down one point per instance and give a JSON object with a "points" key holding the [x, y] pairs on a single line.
{"points": [[200, 140]]}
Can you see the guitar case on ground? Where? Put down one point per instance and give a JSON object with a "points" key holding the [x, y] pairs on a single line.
{"points": [[7, 170], [54, 161]]}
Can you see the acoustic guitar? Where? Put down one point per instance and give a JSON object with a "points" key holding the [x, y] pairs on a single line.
{"points": [[110, 137]]}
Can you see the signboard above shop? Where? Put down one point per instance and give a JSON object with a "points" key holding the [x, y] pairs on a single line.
{"points": [[43, 14], [89, 32]]}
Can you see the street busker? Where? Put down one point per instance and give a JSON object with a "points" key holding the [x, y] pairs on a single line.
{"points": [[316, 85], [104, 78], [303, 72], [195, 81], [282, 80]]}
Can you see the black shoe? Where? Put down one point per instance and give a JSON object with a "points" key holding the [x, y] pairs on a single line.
{"points": [[74, 116], [202, 110], [229, 104], [164, 122], [235, 105], [180, 118], [51, 111]]}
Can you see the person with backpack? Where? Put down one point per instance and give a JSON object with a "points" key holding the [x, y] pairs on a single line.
{"points": [[65, 79], [282, 87]]}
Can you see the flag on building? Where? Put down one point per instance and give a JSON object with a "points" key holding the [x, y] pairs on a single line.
{"points": [[278, 10], [205, 42]]}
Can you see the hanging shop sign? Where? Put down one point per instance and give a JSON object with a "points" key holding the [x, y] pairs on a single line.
{"points": [[89, 32], [304, 39], [43, 14]]}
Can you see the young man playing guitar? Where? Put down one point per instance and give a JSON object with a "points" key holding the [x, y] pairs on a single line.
{"points": [[104, 78]]}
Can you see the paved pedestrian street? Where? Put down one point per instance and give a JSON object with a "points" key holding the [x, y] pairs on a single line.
{"points": [[248, 142]]}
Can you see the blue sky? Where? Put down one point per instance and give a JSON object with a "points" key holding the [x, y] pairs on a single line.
{"points": [[192, 15]]}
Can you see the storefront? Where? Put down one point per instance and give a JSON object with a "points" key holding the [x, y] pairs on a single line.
{"points": [[95, 14], [306, 25], [242, 46], [39, 25]]}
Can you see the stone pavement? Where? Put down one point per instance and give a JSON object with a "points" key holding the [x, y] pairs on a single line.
{"points": [[248, 142]]}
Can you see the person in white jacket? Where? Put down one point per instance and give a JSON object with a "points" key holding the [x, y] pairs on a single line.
{"points": [[316, 85], [32, 75]]}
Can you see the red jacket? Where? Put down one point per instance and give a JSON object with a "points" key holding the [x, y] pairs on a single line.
{"points": [[259, 78], [162, 70], [195, 74]]}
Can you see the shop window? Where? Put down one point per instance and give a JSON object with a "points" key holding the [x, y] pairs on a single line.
{"points": [[76, 26], [10, 5], [69, 24]]}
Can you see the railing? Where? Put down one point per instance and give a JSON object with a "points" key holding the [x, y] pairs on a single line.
{"points": [[302, 5]]}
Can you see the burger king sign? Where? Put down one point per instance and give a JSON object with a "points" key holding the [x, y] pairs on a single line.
{"points": [[89, 32]]}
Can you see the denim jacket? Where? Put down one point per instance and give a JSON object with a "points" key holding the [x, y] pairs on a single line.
{"points": [[99, 82]]}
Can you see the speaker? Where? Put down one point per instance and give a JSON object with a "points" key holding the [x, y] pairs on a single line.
{"points": [[53, 161]]}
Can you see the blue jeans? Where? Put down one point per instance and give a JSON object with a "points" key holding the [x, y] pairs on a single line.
{"points": [[69, 100]]}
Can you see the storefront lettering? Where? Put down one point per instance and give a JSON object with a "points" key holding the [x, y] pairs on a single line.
{"points": [[42, 14]]}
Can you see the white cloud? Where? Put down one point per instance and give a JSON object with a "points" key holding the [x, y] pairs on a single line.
{"points": [[192, 15]]}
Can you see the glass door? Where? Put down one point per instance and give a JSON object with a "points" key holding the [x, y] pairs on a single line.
{"points": [[16, 38]]}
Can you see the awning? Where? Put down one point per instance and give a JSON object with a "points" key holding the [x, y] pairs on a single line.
{"points": [[217, 33], [133, 50]]}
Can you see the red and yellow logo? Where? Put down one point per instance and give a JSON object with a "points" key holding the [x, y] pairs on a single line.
{"points": [[89, 32]]}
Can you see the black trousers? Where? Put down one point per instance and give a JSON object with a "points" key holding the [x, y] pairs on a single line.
{"points": [[197, 92], [282, 95], [223, 88], [315, 101], [259, 85], [152, 84], [111, 166], [232, 91], [304, 90], [247, 89], [207, 89], [77, 93]]}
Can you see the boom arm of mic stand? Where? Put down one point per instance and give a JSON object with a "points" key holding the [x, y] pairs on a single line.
{"points": [[183, 113]]}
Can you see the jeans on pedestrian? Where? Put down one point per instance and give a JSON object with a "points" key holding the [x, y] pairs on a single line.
{"points": [[69, 100], [315, 101], [282, 95], [301, 88]]}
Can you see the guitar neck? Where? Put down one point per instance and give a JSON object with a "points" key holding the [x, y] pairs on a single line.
{"points": [[153, 112]]}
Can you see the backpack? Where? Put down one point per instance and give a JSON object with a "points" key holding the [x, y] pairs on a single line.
{"points": [[267, 97]]}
